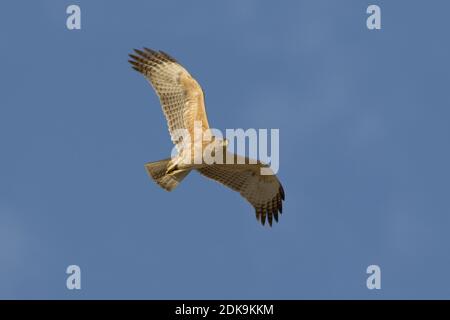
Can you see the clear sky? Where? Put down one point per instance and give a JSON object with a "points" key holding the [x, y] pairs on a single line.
{"points": [[364, 157]]}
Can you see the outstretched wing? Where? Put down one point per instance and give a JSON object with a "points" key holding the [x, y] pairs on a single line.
{"points": [[180, 95], [264, 192]]}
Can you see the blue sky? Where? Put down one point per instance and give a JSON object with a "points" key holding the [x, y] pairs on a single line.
{"points": [[363, 118]]}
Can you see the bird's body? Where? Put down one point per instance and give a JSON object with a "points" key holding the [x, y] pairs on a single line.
{"points": [[182, 101]]}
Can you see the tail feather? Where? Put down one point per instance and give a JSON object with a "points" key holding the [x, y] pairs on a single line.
{"points": [[157, 170]]}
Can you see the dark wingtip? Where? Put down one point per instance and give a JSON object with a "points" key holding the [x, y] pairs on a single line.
{"points": [[133, 62], [149, 50], [282, 192], [271, 211], [275, 216], [139, 52], [270, 219], [168, 56]]}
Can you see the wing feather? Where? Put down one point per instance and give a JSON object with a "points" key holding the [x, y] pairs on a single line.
{"points": [[264, 192], [181, 96]]}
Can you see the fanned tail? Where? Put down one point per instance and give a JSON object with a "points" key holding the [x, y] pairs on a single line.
{"points": [[157, 170]]}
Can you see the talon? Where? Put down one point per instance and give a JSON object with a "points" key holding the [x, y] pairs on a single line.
{"points": [[171, 168]]}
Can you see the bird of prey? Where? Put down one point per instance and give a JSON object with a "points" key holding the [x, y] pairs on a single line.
{"points": [[182, 102]]}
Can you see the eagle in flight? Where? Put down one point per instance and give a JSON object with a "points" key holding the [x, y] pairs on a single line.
{"points": [[182, 102]]}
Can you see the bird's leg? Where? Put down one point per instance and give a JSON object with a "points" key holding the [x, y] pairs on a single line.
{"points": [[171, 167]]}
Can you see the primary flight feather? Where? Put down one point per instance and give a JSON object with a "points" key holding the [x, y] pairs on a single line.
{"points": [[183, 105]]}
